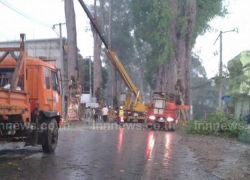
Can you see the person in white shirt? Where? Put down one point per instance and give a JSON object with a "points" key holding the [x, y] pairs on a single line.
{"points": [[105, 111]]}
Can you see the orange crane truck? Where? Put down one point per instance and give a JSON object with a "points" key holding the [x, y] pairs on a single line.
{"points": [[30, 99]]}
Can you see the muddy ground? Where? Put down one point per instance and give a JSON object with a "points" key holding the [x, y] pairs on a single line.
{"points": [[222, 157]]}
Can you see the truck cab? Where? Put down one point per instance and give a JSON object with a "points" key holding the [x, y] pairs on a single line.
{"points": [[31, 109], [162, 113]]}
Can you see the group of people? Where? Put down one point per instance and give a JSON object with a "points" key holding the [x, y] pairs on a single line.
{"points": [[102, 114], [97, 113]]}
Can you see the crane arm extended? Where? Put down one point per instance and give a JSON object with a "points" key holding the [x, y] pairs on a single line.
{"points": [[123, 73], [113, 57]]}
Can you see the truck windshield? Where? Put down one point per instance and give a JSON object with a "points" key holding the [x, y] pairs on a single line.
{"points": [[5, 77], [159, 103]]}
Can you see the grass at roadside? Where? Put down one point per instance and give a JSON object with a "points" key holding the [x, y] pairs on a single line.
{"points": [[220, 124], [245, 137]]}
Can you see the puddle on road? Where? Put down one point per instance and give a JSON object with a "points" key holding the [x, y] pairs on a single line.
{"points": [[17, 150]]}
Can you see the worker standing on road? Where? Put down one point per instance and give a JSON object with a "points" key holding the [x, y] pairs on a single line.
{"points": [[96, 114], [121, 116], [105, 111]]}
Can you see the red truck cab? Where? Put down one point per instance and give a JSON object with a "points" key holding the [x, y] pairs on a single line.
{"points": [[162, 114]]}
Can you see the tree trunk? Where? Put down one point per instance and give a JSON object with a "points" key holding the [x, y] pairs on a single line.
{"points": [[97, 75], [71, 38], [97, 64], [167, 73], [113, 70], [176, 71], [191, 13]]}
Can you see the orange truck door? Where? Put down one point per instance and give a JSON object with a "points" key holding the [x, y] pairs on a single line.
{"points": [[32, 79], [48, 90], [55, 92]]}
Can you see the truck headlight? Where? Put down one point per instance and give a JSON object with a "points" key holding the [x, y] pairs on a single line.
{"points": [[152, 117], [170, 119]]}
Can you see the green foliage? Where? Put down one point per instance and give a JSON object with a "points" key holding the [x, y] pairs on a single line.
{"points": [[235, 67], [245, 137], [152, 21], [239, 74], [122, 37], [217, 124], [206, 11], [204, 95], [84, 73], [122, 41], [84, 66]]}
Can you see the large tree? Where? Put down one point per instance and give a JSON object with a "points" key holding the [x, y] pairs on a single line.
{"points": [[170, 28], [71, 39]]}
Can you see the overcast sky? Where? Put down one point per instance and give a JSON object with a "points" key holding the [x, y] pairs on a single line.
{"points": [[36, 18], [233, 43]]}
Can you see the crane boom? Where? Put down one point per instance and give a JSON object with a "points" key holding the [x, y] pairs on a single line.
{"points": [[123, 73], [93, 23], [113, 57]]}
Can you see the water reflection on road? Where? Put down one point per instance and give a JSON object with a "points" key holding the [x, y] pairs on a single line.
{"points": [[101, 154]]}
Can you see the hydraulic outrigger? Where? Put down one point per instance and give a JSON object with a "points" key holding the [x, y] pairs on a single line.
{"points": [[133, 106]]}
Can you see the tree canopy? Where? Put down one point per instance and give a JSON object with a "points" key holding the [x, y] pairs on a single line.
{"points": [[153, 23], [154, 39]]}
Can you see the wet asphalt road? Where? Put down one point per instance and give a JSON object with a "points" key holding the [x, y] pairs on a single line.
{"points": [[87, 152]]}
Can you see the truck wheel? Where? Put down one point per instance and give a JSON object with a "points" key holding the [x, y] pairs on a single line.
{"points": [[50, 137]]}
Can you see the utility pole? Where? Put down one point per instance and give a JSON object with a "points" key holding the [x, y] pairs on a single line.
{"points": [[90, 77], [221, 65], [220, 74], [61, 65]]}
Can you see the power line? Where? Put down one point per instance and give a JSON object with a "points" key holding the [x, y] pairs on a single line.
{"points": [[17, 11]]}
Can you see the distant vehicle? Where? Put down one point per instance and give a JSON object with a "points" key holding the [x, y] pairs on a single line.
{"points": [[30, 99], [163, 112]]}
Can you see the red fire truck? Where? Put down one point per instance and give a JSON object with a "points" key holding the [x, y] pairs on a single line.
{"points": [[162, 114]]}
